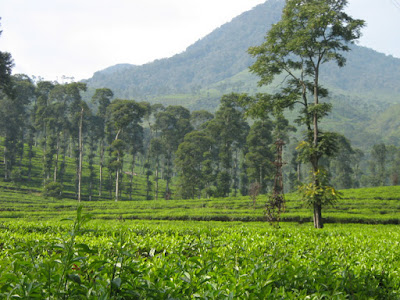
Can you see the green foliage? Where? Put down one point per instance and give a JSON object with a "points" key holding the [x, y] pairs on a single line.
{"points": [[6, 65], [53, 190], [190, 158], [327, 146], [183, 260], [318, 190], [259, 156]]}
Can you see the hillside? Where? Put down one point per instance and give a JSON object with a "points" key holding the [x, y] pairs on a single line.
{"points": [[219, 55], [362, 92], [222, 55]]}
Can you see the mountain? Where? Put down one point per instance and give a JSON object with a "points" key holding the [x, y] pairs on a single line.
{"points": [[219, 55], [362, 92]]}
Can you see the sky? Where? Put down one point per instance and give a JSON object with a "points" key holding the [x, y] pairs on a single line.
{"points": [[75, 38]]}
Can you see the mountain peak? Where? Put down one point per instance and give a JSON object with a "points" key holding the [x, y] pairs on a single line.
{"points": [[217, 56]]}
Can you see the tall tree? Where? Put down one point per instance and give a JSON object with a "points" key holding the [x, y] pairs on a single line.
{"points": [[309, 34], [259, 157], [6, 65], [24, 94], [229, 129], [42, 116], [199, 117], [189, 162], [377, 165], [13, 120], [341, 165], [173, 124], [102, 97], [77, 110], [123, 114]]}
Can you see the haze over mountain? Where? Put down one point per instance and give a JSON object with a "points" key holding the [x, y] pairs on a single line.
{"points": [[219, 55], [363, 90]]}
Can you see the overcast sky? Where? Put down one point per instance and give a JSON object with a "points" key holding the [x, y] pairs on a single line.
{"points": [[51, 38]]}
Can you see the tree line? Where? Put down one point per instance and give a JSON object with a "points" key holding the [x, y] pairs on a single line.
{"points": [[195, 154], [200, 153]]}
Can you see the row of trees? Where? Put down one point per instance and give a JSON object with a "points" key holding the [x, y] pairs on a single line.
{"points": [[208, 155]]}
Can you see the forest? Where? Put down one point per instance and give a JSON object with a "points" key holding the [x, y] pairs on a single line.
{"points": [[181, 153]]}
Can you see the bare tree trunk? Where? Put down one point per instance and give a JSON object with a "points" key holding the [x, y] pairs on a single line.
{"points": [[157, 177], [315, 160], [80, 156], [298, 171], [64, 160], [317, 204], [44, 154], [22, 152], [235, 179], [57, 155], [117, 185], [118, 171], [30, 162], [131, 182], [318, 216], [90, 190], [6, 177], [101, 167]]}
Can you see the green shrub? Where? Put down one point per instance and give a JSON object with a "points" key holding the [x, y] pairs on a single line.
{"points": [[53, 190]]}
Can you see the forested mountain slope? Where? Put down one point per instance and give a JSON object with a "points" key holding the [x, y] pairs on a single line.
{"points": [[223, 54], [219, 55], [217, 64]]}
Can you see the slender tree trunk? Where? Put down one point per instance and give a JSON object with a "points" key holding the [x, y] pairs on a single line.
{"points": [[315, 160], [317, 204], [57, 155], [298, 171], [117, 173], [90, 190], [64, 161], [44, 143], [318, 216], [157, 176], [110, 178], [117, 186], [315, 117], [6, 177], [80, 156], [30, 156], [101, 166], [235, 179], [118, 170], [21, 151], [31, 142], [131, 182]]}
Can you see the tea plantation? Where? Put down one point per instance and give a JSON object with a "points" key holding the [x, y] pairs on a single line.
{"points": [[165, 250]]}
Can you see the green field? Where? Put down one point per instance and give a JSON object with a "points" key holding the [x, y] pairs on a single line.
{"points": [[166, 250], [369, 206], [197, 260]]}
